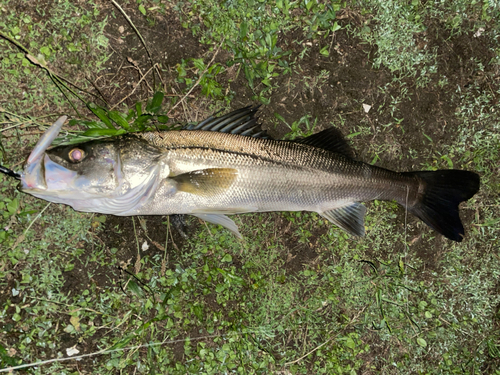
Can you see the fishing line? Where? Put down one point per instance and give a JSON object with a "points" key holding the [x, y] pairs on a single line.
{"points": [[406, 248], [10, 172], [406, 218], [135, 277]]}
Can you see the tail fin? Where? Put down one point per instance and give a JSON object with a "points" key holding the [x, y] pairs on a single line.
{"points": [[438, 203]]}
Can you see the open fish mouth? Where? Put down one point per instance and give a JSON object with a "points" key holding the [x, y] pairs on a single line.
{"points": [[33, 175]]}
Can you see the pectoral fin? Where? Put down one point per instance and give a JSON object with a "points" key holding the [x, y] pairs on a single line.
{"points": [[206, 182], [350, 218], [222, 220]]}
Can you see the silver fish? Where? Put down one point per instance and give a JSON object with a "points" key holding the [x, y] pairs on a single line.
{"points": [[223, 167]]}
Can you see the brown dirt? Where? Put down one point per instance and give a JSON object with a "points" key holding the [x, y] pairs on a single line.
{"points": [[168, 43]]}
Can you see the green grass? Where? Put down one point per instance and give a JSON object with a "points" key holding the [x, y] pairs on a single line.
{"points": [[395, 27], [297, 295], [250, 30], [73, 37]]}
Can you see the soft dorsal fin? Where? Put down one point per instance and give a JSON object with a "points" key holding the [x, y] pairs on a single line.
{"points": [[242, 122], [330, 139]]}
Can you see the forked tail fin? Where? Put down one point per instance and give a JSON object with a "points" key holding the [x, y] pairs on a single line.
{"points": [[443, 191]]}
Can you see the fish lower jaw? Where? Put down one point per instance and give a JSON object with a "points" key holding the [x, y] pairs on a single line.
{"points": [[32, 182], [33, 188]]}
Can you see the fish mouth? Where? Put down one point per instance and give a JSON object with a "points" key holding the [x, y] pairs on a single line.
{"points": [[33, 175]]}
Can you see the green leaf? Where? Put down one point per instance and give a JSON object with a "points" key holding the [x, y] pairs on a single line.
{"points": [[422, 305], [350, 343], [401, 266], [29, 212], [266, 82], [155, 104], [101, 218], [243, 29], [264, 100], [142, 9], [5, 359], [101, 113], [92, 124], [227, 258], [12, 206], [199, 64], [121, 344], [421, 342], [279, 117], [163, 119], [220, 288], [448, 160], [249, 74], [138, 108], [45, 51], [142, 119], [324, 51], [268, 40], [103, 132], [335, 27], [119, 119], [72, 48], [135, 288], [16, 317]]}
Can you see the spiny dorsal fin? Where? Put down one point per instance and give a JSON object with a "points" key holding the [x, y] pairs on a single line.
{"points": [[350, 218], [206, 182], [242, 121], [330, 139]]}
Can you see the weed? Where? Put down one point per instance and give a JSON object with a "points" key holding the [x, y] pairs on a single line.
{"points": [[79, 38], [295, 128], [251, 32], [204, 75], [393, 29]]}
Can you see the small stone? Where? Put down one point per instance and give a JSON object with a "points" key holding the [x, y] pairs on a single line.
{"points": [[72, 351]]}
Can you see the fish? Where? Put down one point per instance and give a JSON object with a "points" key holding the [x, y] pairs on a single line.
{"points": [[226, 165]]}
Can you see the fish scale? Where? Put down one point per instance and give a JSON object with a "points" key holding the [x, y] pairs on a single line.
{"points": [[267, 169]]}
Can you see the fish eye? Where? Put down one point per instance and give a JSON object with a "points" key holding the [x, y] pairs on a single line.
{"points": [[76, 155]]}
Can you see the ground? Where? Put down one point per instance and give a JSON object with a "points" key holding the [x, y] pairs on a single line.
{"points": [[412, 86]]}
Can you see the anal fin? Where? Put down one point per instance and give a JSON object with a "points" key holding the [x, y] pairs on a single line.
{"points": [[221, 220], [350, 218]]}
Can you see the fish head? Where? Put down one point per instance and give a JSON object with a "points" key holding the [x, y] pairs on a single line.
{"points": [[95, 176], [85, 171], [89, 169]]}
